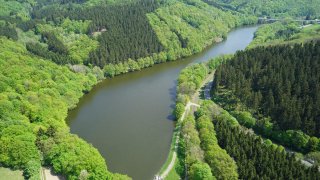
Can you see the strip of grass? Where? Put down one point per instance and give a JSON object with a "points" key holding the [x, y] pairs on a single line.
{"points": [[6, 173], [172, 148], [174, 175]]}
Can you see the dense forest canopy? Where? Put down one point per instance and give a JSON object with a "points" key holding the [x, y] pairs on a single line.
{"points": [[259, 160], [32, 129], [256, 158], [279, 8], [281, 82], [125, 31]]}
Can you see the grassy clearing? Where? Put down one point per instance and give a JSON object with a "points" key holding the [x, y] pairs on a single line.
{"points": [[6, 173]]}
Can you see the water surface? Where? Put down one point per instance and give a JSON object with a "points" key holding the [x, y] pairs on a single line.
{"points": [[128, 118]]}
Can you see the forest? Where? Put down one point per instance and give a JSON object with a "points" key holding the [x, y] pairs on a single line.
{"points": [[285, 33], [199, 155], [259, 160], [255, 157], [280, 86], [33, 131], [53, 52], [147, 32], [261, 8], [125, 31]]}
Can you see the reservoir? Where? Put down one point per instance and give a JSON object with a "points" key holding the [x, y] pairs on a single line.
{"points": [[128, 118]]}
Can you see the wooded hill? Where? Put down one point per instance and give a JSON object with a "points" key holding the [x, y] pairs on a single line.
{"points": [[255, 157], [280, 82], [261, 8], [35, 96]]}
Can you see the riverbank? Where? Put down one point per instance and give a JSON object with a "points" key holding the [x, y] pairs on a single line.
{"points": [[136, 108]]}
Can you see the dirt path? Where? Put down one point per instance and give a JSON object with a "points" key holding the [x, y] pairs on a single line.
{"points": [[48, 174]]}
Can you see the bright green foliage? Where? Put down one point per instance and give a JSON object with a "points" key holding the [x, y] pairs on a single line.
{"points": [[284, 33], [245, 118], [70, 155], [190, 142], [79, 46], [32, 170], [185, 28], [191, 78], [15, 8], [17, 145], [32, 126], [78, 27], [190, 153], [228, 118], [27, 37], [279, 8], [221, 164], [212, 64], [200, 171], [179, 110], [315, 156], [313, 143], [70, 33]]}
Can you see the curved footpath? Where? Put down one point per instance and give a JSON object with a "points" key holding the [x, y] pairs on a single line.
{"points": [[194, 102]]}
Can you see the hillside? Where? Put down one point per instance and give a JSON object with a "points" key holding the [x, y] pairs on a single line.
{"points": [[278, 85], [261, 8], [53, 52], [32, 128], [285, 33]]}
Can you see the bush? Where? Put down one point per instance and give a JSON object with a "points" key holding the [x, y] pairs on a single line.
{"points": [[179, 110], [72, 155], [245, 118], [200, 171], [32, 170], [221, 164]]}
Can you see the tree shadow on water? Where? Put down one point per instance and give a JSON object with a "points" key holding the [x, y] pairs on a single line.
{"points": [[173, 94]]}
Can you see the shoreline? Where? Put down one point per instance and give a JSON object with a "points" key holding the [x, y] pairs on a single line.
{"points": [[170, 152]]}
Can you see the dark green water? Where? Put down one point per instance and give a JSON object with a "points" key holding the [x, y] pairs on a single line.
{"points": [[128, 118]]}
